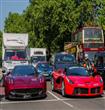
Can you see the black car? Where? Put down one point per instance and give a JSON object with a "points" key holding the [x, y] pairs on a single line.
{"points": [[99, 63]]}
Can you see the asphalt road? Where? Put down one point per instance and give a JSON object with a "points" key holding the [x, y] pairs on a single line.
{"points": [[54, 101]]}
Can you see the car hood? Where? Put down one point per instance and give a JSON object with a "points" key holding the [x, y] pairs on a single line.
{"points": [[84, 79], [26, 80]]}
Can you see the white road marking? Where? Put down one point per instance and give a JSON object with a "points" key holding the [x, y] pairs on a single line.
{"points": [[70, 105], [53, 95], [17, 102], [51, 100]]}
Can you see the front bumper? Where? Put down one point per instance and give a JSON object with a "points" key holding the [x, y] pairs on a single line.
{"points": [[27, 93], [84, 90]]}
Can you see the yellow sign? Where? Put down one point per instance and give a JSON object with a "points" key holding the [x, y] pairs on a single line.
{"points": [[73, 50]]}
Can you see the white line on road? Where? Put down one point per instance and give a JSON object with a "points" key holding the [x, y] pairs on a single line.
{"points": [[17, 102], [53, 95], [70, 105], [51, 100]]}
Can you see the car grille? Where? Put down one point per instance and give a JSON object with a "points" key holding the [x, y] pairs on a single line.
{"points": [[26, 91], [80, 91], [95, 90]]}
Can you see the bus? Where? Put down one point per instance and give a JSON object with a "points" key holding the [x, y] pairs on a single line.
{"points": [[87, 40]]}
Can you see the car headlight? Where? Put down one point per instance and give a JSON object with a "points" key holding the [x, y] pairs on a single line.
{"points": [[41, 80], [70, 81], [101, 80], [10, 81]]}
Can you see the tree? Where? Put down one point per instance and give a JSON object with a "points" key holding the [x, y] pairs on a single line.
{"points": [[51, 22], [15, 23]]}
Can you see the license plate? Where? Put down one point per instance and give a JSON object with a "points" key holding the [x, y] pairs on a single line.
{"points": [[45, 74], [26, 96]]}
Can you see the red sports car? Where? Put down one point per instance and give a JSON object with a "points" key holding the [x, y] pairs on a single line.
{"points": [[76, 81], [24, 82]]}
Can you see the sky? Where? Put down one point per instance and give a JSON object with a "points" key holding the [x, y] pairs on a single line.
{"points": [[7, 6]]}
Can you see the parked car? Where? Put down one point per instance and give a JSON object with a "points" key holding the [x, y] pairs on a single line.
{"points": [[99, 64], [44, 68], [76, 81], [24, 82]]}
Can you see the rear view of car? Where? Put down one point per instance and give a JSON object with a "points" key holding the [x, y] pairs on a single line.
{"points": [[24, 83]]}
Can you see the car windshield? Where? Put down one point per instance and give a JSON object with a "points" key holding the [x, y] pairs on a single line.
{"points": [[44, 66], [15, 55], [35, 59], [100, 61], [77, 72], [23, 71], [63, 58]]}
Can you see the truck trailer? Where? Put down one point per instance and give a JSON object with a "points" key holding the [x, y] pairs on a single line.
{"points": [[37, 54]]}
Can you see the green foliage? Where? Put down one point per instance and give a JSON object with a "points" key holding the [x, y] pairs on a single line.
{"points": [[15, 23], [51, 22]]}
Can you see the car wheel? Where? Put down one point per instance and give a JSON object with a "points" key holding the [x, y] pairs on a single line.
{"points": [[63, 89], [7, 97], [52, 84]]}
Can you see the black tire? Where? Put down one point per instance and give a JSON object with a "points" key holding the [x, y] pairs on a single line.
{"points": [[52, 84], [63, 89], [7, 97]]}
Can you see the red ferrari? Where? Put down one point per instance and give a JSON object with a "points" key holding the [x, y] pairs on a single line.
{"points": [[76, 81], [24, 83]]}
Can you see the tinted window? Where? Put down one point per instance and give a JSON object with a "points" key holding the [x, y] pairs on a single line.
{"points": [[37, 58], [64, 58], [92, 34], [77, 72], [43, 65], [20, 54], [23, 71], [100, 61]]}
